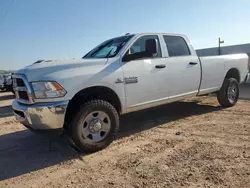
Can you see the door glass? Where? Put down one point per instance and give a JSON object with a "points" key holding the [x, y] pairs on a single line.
{"points": [[176, 46], [139, 47]]}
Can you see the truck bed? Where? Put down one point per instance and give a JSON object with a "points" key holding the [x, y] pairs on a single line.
{"points": [[214, 69]]}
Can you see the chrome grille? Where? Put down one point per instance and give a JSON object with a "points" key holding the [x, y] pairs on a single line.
{"points": [[22, 89], [23, 95], [19, 82]]}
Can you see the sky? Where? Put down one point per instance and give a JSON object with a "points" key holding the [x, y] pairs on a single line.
{"points": [[42, 29]]}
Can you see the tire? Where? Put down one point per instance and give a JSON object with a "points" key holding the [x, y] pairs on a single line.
{"points": [[225, 96], [90, 118]]}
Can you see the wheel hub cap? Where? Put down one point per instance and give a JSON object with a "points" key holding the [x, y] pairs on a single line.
{"points": [[232, 92], [95, 126]]}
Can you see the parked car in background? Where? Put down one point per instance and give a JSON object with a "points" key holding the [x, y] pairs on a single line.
{"points": [[86, 97], [6, 83], [2, 82], [9, 83]]}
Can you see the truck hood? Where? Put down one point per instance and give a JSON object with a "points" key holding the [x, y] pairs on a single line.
{"points": [[38, 70]]}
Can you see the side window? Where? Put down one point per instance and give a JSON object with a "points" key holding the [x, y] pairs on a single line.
{"points": [[139, 47], [176, 46]]}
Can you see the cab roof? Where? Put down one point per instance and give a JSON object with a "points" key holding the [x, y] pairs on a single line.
{"points": [[161, 33]]}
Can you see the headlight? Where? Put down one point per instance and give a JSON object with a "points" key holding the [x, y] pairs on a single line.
{"points": [[44, 90]]}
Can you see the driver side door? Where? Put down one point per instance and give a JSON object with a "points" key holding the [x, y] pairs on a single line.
{"points": [[145, 78]]}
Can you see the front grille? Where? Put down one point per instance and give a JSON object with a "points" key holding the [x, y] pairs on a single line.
{"points": [[19, 82], [23, 95], [21, 88]]}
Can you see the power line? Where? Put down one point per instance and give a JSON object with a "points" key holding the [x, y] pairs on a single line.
{"points": [[7, 11]]}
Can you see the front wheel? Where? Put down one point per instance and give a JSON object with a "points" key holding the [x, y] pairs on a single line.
{"points": [[229, 92], [94, 126]]}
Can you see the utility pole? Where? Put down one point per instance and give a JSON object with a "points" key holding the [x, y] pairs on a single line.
{"points": [[220, 42]]}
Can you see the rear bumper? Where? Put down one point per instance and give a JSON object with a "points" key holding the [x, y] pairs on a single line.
{"points": [[41, 116]]}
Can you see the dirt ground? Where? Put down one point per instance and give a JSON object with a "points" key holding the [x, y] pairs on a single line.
{"points": [[213, 151]]}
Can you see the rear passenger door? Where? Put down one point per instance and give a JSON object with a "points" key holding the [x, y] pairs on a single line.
{"points": [[183, 68]]}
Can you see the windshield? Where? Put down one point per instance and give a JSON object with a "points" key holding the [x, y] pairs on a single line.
{"points": [[109, 48]]}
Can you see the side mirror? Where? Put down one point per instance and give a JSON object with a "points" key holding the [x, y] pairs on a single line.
{"points": [[127, 57]]}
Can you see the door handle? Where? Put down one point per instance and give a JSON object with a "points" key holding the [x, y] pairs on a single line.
{"points": [[193, 63], [160, 66]]}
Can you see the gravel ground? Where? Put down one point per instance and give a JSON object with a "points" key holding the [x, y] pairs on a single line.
{"points": [[212, 150]]}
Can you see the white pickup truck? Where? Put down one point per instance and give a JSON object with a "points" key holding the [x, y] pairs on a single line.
{"points": [[85, 96]]}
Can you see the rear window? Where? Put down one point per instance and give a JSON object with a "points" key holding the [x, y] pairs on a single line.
{"points": [[176, 46]]}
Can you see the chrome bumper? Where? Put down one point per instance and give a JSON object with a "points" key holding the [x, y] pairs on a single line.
{"points": [[41, 116]]}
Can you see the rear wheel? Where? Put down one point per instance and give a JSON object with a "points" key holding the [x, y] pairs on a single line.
{"points": [[94, 126], [229, 92]]}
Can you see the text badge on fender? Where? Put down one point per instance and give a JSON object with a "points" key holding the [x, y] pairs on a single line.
{"points": [[131, 80]]}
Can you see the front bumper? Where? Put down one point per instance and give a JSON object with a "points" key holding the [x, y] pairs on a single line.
{"points": [[41, 116]]}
